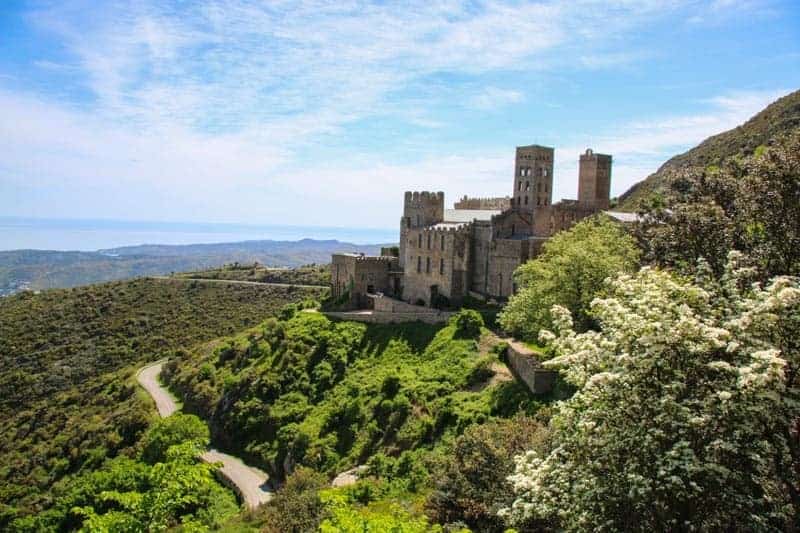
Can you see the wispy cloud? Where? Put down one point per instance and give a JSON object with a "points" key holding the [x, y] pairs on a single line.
{"points": [[494, 98], [196, 105]]}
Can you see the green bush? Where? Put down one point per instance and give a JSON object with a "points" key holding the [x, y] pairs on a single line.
{"points": [[296, 507], [468, 324]]}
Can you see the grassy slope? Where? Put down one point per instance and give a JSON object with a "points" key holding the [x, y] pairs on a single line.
{"points": [[68, 356], [776, 120], [315, 392]]}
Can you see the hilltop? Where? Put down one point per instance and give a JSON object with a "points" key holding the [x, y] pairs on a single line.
{"points": [[775, 122]]}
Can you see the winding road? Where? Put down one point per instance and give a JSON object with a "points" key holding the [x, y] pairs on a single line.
{"points": [[250, 483]]}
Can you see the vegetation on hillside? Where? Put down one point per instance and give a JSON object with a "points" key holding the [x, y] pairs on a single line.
{"points": [[686, 412], [68, 356], [162, 485], [750, 205], [304, 275], [777, 121], [331, 395]]}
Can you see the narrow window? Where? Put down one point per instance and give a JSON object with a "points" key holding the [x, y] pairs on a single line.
{"points": [[441, 241], [408, 222], [441, 266], [419, 264], [539, 187], [527, 186], [419, 240], [526, 200], [518, 200], [513, 228], [545, 201], [428, 265], [519, 185], [538, 201], [429, 241], [417, 219]]}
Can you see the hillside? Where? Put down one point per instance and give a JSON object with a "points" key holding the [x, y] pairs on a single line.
{"points": [[776, 121], [47, 269], [68, 355]]}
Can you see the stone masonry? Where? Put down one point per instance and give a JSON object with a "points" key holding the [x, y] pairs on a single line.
{"points": [[444, 254]]}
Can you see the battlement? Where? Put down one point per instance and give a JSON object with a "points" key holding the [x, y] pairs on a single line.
{"points": [[498, 203], [418, 198]]}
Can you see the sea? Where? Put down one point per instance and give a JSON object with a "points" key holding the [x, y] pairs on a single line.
{"points": [[91, 235]]}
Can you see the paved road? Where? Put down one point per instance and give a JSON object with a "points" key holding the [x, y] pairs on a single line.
{"points": [[249, 482], [242, 282], [148, 378]]}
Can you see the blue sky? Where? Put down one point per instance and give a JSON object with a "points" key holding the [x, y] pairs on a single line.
{"points": [[323, 113]]}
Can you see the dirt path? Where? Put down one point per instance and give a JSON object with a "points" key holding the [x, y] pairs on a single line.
{"points": [[250, 483]]}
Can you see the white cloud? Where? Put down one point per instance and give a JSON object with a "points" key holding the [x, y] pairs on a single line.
{"points": [[214, 113], [494, 98]]}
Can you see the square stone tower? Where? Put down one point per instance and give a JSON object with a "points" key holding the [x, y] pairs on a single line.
{"points": [[594, 179], [533, 177], [420, 209]]}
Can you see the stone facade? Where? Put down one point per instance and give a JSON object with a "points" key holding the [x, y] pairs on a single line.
{"points": [[500, 204], [356, 276], [446, 254]]}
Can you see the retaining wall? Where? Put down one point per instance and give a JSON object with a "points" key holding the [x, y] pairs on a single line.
{"points": [[527, 368], [384, 317]]}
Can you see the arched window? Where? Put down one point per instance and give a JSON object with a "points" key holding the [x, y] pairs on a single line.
{"points": [[519, 185], [527, 186]]}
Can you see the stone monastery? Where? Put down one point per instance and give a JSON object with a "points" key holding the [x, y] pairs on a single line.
{"points": [[473, 249]]}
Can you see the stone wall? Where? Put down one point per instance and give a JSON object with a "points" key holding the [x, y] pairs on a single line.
{"points": [[382, 317], [361, 275], [483, 203], [527, 368], [437, 262]]}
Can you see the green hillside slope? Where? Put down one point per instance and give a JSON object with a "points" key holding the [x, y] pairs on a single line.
{"points": [[69, 400], [776, 121]]}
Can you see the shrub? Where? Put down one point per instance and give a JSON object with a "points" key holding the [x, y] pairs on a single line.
{"points": [[471, 481], [297, 507], [468, 324]]}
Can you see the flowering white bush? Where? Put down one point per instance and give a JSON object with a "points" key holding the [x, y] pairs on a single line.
{"points": [[686, 411]]}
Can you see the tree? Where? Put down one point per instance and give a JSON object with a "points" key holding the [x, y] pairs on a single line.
{"points": [[176, 429], [686, 413], [569, 272], [471, 484], [751, 205]]}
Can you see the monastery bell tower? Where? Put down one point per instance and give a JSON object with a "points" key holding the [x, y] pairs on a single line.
{"points": [[533, 177]]}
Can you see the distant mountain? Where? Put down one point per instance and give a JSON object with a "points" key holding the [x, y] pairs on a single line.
{"points": [[46, 269], [776, 121]]}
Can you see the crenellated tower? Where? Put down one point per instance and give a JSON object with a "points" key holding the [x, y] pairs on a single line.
{"points": [[420, 209]]}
